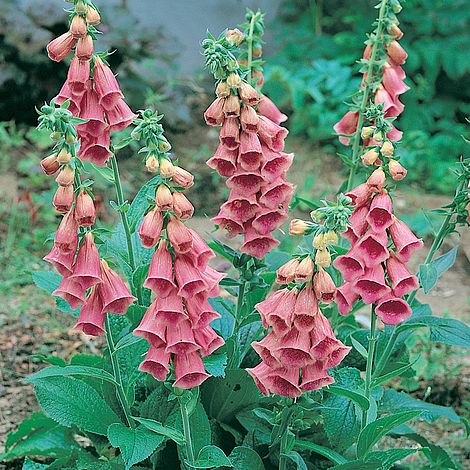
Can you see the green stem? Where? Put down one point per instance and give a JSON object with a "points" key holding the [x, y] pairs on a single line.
{"points": [[238, 319], [187, 431], [365, 96], [370, 361], [125, 222], [284, 433], [249, 41], [120, 393]]}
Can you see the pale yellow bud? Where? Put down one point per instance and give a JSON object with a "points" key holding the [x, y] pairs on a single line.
{"points": [[367, 132], [298, 227], [167, 170], [377, 137], [319, 241], [63, 157], [234, 80], [370, 157], [330, 238], [387, 149], [323, 258], [152, 164], [222, 90]]}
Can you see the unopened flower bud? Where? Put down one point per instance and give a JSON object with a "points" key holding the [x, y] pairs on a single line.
{"points": [[397, 171], [66, 176], [70, 138], [330, 238], [387, 149], [376, 180], [167, 170], [63, 198], [181, 206], [50, 165], [367, 132], [152, 164], [92, 16], [298, 227], [64, 156], [370, 157], [55, 136], [234, 80], [85, 212], [323, 258], [286, 273], [394, 30], [304, 270], [164, 146], [378, 137], [182, 177], [222, 90], [396, 7], [234, 37], [319, 241], [248, 94], [78, 27], [163, 198], [257, 52], [81, 8], [231, 106]]}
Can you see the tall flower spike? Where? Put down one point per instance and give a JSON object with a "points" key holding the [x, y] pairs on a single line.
{"points": [[177, 324]]}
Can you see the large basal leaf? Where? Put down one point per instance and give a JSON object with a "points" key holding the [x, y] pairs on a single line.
{"points": [[135, 444], [388, 458], [157, 406], [210, 457], [215, 364], [245, 458], [31, 465], [159, 428], [58, 371], [73, 402], [226, 308], [328, 453], [430, 273]]}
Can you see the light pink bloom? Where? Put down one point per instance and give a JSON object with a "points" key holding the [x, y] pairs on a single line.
{"points": [[60, 47], [120, 116], [248, 94], [200, 252], [85, 212], [268, 220], [208, 340], [86, 269], [249, 119], [188, 278], [106, 85], [272, 134], [277, 194], [392, 79], [268, 109], [373, 248], [212, 278], [85, 48], [293, 349], [151, 329], [179, 236], [95, 149], [315, 377], [265, 349], [376, 180], [241, 208], [397, 171], [91, 318], [392, 105], [393, 311], [66, 94], [400, 277], [61, 261], [189, 371], [286, 273], [346, 126], [270, 303], [372, 286], [66, 237], [228, 222], [50, 165], [380, 212], [182, 208], [259, 375], [404, 240], [275, 164], [156, 363], [397, 53], [200, 313], [182, 177], [71, 291], [284, 381], [180, 338], [214, 114], [394, 135], [114, 293], [151, 228], [78, 76], [345, 298], [257, 245], [360, 194], [63, 198], [169, 309], [306, 309], [250, 154], [357, 224], [78, 26], [351, 265], [230, 133], [244, 182], [324, 286], [281, 316], [224, 161], [160, 276], [91, 110]]}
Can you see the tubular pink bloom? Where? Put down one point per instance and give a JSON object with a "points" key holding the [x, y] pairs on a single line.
{"points": [[397, 53], [86, 269], [106, 85], [376, 180], [257, 245], [200, 252], [230, 133], [214, 115], [91, 110], [212, 278], [351, 265], [151, 329], [393, 311], [78, 76], [224, 161], [61, 261], [265, 349], [400, 277], [179, 236], [277, 195], [304, 271], [249, 119], [360, 194], [200, 313], [380, 212], [85, 212], [324, 286], [156, 363], [272, 134], [160, 275], [268, 109], [92, 317], [315, 377], [293, 348], [60, 47], [241, 208], [397, 171], [66, 238], [275, 164], [181, 206], [357, 224], [180, 338], [169, 309], [394, 135], [50, 165], [345, 298], [208, 340], [119, 117], [71, 291], [188, 278], [372, 287], [151, 228], [392, 106], [250, 153], [306, 309], [189, 371], [64, 95], [229, 223], [95, 149], [404, 239], [270, 303], [85, 48], [284, 381], [115, 294], [392, 79], [248, 94], [63, 198], [259, 375], [346, 126], [280, 317], [182, 177], [231, 106], [78, 27], [244, 182], [286, 273], [164, 198], [268, 220], [373, 248]]}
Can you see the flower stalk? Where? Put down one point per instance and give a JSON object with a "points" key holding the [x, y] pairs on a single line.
{"points": [[370, 362]]}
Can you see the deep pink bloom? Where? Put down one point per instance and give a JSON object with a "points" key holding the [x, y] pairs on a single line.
{"points": [[189, 371], [160, 276], [257, 245], [224, 161], [241, 208], [156, 363], [360, 194], [245, 183], [357, 224], [188, 278], [346, 126], [114, 293], [61, 261], [249, 119], [393, 311], [259, 375], [120, 116], [268, 220], [268, 109], [351, 265], [270, 303], [345, 298], [228, 222], [392, 105], [315, 377], [275, 164], [64, 95], [380, 212], [71, 291], [284, 381], [61, 46], [404, 240], [86, 269], [78, 76], [400, 277], [179, 236], [200, 313], [91, 318], [91, 110], [169, 309], [214, 114], [63, 198], [324, 286], [397, 53], [250, 153], [372, 286], [95, 149], [281, 315], [151, 329], [265, 349], [66, 237], [85, 212], [293, 349], [180, 337], [151, 228], [392, 79], [306, 308], [208, 340], [373, 247], [277, 194], [106, 85], [230, 133], [212, 278], [200, 252], [272, 134]]}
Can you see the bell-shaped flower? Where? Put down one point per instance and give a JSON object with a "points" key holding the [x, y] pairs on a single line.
{"points": [[151, 228], [86, 269], [188, 278], [268, 109], [156, 363], [306, 309], [272, 134], [400, 277], [351, 265], [179, 236], [257, 245], [91, 318], [224, 161], [346, 126], [189, 370], [160, 276], [180, 338], [106, 85], [372, 286], [71, 291], [315, 377], [120, 116], [214, 114], [404, 239], [66, 237], [230, 133], [114, 293], [392, 310], [345, 298], [373, 248], [324, 286], [60, 47], [91, 110], [250, 154]]}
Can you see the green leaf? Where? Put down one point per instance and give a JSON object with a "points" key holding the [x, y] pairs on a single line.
{"points": [[297, 459], [73, 402], [104, 171], [200, 428], [374, 431], [157, 406], [135, 444], [56, 371], [31, 465], [245, 458], [431, 272], [226, 308], [389, 457], [140, 203], [358, 347], [356, 397], [399, 369], [128, 340], [123, 143], [328, 453], [159, 428], [358, 465], [210, 457], [215, 364]]}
